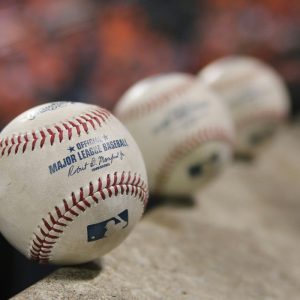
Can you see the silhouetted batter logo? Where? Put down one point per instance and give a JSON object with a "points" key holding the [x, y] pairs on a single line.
{"points": [[198, 169], [258, 138], [106, 228]]}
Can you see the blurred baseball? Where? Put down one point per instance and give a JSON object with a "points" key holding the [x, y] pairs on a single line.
{"points": [[183, 130], [256, 96], [72, 183]]}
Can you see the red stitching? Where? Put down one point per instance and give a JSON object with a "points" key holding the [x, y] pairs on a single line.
{"points": [[185, 147], [83, 123], [43, 135], [52, 226], [26, 142], [12, 143], [155, 102]]}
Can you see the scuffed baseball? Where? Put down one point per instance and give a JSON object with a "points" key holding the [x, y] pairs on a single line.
{"points": [[72, 184], [184, 131], [256, 96]]}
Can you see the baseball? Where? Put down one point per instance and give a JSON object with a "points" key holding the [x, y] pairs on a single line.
{"points": [[72, 185], [256, 96], [183, 130]]}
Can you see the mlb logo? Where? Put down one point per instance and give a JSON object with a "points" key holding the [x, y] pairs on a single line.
{"points": [[106, 228]]}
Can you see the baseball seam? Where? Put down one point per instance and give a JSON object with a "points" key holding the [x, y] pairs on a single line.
{"points": [[185, 147], [23, 142], [155, 102], [53, 225]]}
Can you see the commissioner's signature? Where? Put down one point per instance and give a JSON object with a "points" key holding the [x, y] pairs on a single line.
{"points": [[96, 163], [183, 114]]}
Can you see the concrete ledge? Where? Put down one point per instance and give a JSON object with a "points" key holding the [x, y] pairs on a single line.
{"points": [[240, 241]]}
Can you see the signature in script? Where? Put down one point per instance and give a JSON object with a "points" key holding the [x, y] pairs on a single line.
{"points": [[96, 163]]}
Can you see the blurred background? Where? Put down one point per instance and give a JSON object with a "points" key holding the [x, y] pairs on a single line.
{"points": [[88, 50]]}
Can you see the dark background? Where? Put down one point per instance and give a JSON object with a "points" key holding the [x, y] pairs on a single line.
{"points": [[85, 50]]}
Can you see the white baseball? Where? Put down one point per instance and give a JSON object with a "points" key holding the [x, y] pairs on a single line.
{"points": [[256, 96], [72, 185], [183, 130]]}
